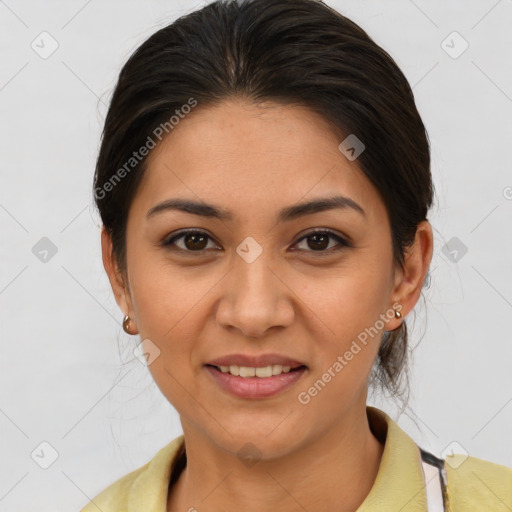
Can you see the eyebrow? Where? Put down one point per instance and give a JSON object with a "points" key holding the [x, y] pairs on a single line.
{"points": [[286, 214]]}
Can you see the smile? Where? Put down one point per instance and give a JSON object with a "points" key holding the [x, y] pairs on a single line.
{"points": [[249, 371], [255, 382]]}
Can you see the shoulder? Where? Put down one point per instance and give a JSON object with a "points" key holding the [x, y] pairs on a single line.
{"points": [[476, 484], [145, 485], [115, 496]]}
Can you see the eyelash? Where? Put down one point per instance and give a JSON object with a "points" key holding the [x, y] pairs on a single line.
{"points": [[341, 241]]}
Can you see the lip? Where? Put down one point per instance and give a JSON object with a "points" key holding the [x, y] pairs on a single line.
{"points": [[255, 387], [255, 361]]}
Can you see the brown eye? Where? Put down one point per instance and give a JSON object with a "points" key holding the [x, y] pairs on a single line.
{"points": [[318, 241], [193, 241]]}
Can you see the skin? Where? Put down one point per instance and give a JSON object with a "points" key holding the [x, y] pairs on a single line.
{"points": [[195, 307]]}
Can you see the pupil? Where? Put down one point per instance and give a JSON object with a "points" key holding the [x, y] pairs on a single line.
{"points": [[195, 238], [316, 238]]}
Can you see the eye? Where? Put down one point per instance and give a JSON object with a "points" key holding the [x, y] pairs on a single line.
{"points": [[319, 241], [194, 240]]}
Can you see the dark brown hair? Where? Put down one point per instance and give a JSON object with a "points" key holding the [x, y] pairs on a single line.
{"points": [[294, 52]]}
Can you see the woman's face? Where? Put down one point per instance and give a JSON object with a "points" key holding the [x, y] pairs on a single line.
{"points": [[257, 282]]}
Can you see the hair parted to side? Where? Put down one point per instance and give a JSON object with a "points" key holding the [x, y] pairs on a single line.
{"points": [[294, 52]]}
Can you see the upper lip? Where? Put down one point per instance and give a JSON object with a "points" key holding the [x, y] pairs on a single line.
{"points": [[255, 361]]}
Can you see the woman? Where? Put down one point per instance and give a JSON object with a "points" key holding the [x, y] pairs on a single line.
{"points": [[264, 183]]}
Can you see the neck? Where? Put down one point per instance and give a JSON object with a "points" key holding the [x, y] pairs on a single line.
{"points": [[337, 472]]}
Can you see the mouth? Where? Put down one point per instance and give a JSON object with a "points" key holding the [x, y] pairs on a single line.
{"points": [[261, 372], [255, 382]]}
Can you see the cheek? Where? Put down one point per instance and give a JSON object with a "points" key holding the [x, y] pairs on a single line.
{"points": [[165, 297], [349, 301], [168, 306], [349, 309]]}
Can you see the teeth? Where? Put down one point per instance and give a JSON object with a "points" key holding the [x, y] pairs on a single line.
{"points": [[266, 371], [262, 372]]}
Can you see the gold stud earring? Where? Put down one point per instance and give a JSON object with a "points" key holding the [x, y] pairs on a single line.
{"points": [[397, 315], [126, 324]]}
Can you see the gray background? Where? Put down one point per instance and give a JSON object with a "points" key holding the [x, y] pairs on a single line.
{"points": [[68, 374]]}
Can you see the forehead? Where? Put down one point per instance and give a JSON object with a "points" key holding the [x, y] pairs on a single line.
{"points": [[252, 155]]}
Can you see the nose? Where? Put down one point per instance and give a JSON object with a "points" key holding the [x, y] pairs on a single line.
{"points": [[255, 299]]}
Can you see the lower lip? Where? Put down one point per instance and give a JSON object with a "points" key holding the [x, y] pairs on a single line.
{"points": [[255, 387]]}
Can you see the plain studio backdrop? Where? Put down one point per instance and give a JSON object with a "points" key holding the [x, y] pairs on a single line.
{"points": [[78, 410]]}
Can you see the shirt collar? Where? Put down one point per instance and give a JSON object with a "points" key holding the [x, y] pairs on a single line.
{"points": [[399, 486]]}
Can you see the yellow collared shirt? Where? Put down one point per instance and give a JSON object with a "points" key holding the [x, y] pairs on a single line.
{"points": [[472, 484]]}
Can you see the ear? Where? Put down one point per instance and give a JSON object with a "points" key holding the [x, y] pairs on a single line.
{"points": [[409, 279], [119, 287]]}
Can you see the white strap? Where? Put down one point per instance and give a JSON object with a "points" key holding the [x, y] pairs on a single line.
{"points": [[433, 487]]}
